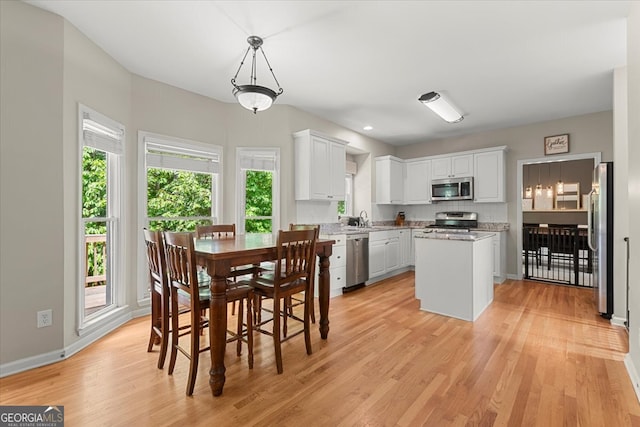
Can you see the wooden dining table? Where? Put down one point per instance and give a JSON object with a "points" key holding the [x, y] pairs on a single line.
{"points": [[219, 255]]}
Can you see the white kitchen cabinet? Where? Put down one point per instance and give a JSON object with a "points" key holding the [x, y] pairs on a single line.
{"points": [[320, 163], [452, 166], [414, 231], [405, 247], [337, 265], [389, 180], [500, 256], [489, 177], [417, 183], [384, 252]]}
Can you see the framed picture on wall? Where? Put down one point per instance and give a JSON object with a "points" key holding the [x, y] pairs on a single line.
{"points": [[556, 144]]}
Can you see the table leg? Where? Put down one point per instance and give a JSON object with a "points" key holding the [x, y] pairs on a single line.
{"points": [[324, 283], [218, 324]]}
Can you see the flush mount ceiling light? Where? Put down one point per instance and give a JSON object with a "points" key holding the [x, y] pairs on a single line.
{"points": [[441, 107], [251, 96]]}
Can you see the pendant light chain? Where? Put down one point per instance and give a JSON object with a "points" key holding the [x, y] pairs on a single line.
{"points": [[280, 90]]}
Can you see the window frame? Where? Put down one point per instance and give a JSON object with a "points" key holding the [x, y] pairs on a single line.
{"points": [[114, 216], [176, 145], [261, 159]]}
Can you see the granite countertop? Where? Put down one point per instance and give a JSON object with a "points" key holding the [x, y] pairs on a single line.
{"points": [[470, 237], [330, 229]]}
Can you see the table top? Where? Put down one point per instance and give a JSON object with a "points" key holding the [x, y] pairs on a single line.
{"points": [[227, 248]]}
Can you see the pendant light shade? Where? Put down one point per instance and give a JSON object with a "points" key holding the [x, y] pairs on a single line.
{"points": [[252, 96], [441, 107]]}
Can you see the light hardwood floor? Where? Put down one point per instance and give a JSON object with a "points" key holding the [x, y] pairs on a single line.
{"points": [[539, 355]]}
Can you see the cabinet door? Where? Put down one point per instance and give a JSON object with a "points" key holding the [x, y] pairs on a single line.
{"points": [[389, 181], [418, 182], [405, 248], [496, 255], [489, 180], [376, 257], [462, 166], [397, 182], [441, 168], [337, 170], [392, 254], [320, 164]]}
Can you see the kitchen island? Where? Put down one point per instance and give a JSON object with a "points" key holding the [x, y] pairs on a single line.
{"points": [[454, 273]]}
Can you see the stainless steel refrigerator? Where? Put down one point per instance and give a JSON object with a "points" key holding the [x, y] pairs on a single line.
{"points": [[600, 238]]}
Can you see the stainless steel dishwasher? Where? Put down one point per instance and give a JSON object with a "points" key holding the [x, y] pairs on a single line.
{"points": [[357, 261]]}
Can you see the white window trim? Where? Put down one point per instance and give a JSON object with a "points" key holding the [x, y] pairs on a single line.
{"points": [[183, 145], [116, 169], [257, 152]]}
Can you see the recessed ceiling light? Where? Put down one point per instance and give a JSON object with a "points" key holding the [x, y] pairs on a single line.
{"points": [[368, 127]]}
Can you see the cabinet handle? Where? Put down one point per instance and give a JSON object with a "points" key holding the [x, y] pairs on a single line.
{"points": [[330, 197]]}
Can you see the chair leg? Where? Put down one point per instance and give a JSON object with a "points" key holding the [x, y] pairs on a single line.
{"points": [[155, 320], [311, 302], [175, 327], [164, 339], [194, 351], [239, 327], [287, 310], [307, 325], [249, 332], [276, 333]]}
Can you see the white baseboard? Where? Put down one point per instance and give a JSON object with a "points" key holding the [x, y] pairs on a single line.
{"points": [[633, 375], [618, 321], [32, 362]]}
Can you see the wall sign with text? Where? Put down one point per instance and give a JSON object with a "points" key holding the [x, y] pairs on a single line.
{"points": [[556, 144]]}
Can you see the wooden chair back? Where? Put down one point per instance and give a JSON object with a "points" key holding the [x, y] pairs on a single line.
{"points": [[217, 231], [181, 266], [185, 290], [296, 250], [159, 293]]}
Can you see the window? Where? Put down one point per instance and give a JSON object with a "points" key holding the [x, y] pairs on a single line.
{"points": [[345, 207], [258, 182], [179, 187], [102, 142], [182, 183]]}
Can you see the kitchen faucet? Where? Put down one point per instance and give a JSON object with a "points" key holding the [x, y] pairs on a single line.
{"points": [[364, 219]]}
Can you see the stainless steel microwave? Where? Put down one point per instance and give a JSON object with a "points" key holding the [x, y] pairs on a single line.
{"points": [[452, 189]]}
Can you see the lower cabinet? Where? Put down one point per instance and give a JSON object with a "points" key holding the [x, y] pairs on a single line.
{"points": [[337, 265], [384, 252], [405, 248], [500, 256]]}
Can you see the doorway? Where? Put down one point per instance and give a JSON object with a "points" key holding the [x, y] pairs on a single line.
{"points": [[552, 219]]}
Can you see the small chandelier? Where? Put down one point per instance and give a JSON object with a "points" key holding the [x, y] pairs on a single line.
{"points": [[251, 96]]}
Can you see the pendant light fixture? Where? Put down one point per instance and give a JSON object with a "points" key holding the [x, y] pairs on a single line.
{"points": [[539, 187], [252, 96], [560, 184], [528, 192], [441, 107], [549, 186]]}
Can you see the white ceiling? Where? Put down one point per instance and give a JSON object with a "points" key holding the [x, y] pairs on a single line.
{"points": [[357, 63]]}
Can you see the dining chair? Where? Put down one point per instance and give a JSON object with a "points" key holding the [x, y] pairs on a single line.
{"points": [[159, 293], [190, 287], [296, 253], [296, 300], [226, 231]]}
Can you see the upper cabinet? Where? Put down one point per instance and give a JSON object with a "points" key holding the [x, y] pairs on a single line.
{"points": [[406, 182], [489, 176], [417, 189], [319, 166], [452, 166], [389, 180]]}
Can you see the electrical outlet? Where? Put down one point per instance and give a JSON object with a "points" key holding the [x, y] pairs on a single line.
{"points": [[44, 318]]}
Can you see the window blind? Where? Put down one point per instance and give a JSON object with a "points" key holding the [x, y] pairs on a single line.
{"points": [[101, 132]]}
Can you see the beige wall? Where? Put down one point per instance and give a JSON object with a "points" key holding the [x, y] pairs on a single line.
{"points": [[94, 79], [31, 173], [633, 92]]}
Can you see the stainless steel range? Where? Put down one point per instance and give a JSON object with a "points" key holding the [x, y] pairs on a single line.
{"points": [[454, 222]]}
